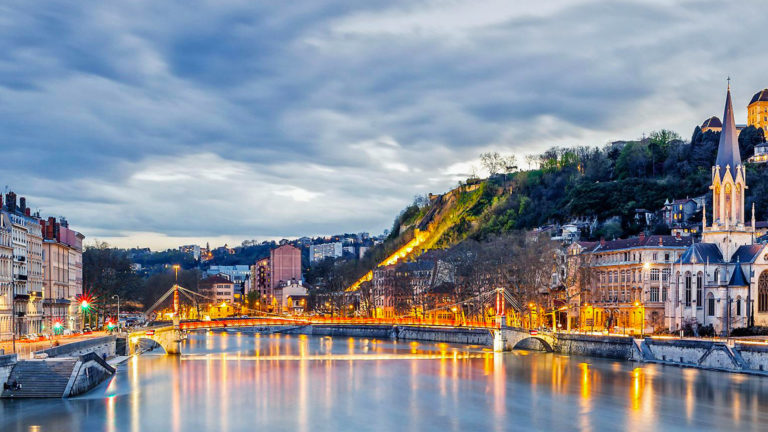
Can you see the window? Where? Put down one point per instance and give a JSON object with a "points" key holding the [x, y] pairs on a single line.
{"points": [[710, 305], [655, 256], [688, 289], [664, 294], [762, 292], [665, 274], [717, 275], [699, 288], [738, 306], [654, 293], [666, 257], [655, 274]]}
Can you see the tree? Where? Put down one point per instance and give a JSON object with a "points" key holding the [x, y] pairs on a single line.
{"points": [[495, 163], [749, 137], [107, 272]]}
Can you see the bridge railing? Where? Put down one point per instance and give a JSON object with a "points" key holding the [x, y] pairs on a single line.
{"points": [[270, 321]]}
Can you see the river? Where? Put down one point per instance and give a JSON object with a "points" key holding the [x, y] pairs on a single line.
{"points": [[250, 382]]}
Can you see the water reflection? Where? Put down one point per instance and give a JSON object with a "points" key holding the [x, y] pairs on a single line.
{"points": [[241, 381]]}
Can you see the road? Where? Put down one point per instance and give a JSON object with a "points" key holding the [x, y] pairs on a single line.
{"points": [[25, 349]]}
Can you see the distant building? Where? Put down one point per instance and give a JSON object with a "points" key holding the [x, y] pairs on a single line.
{"points": [[218, 289], [285, 265], [235, 273], [679, 211], [291, 297], [194, 250], [319, 252], [260, 280], [757, 111], [712, 124], [760, 155]]}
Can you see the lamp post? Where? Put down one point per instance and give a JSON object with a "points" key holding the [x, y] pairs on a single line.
{"points": [[118, 311]]}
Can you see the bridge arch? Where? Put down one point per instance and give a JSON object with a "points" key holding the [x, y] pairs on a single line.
{"points": [[547, 344], [167, 338]]}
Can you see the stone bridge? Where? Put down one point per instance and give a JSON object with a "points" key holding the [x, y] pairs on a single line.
{"points": [[509, 338], [168, 337]]}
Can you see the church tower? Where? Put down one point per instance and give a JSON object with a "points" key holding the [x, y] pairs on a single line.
{"points": [[728, 186]]}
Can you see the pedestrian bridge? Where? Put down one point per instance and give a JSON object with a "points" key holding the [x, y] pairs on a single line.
{"points": [[506, 339]]}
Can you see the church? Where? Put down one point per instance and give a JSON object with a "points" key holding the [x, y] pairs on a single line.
{"points": [[723, 280]]}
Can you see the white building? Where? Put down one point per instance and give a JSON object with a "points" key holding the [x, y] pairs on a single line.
{"points": [[723, 281], [319, 252]]}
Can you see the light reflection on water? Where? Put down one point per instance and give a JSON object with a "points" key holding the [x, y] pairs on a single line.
{"points": [[241, 381]]}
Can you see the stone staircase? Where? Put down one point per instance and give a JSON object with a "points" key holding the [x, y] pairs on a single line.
{"points": [[41, 378]]}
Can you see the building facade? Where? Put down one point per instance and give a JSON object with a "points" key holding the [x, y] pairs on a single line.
{"points": [[62, 274], [285, 265]]}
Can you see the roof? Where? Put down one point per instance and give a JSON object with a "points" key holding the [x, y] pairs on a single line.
{"points": [[216, 279], [683, 201], [701, 253], [642, 241], [746, 253], [761, 96], [728, 148], [712, 122], [738, 279]]}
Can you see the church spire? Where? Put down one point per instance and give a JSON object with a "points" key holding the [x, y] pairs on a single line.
{"points": [[728, 149]]}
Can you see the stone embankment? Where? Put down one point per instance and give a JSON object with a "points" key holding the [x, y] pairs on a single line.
{"points": [[62, 371], [740, 357]]}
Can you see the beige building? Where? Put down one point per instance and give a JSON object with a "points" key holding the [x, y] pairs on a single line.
{"points": [[62, 275], [757, 111]]}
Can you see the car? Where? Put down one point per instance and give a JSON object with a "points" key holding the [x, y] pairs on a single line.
{"points": [[67, 332]]}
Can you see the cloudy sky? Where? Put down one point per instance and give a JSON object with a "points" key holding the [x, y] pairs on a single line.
{"points": [[164, 123]]}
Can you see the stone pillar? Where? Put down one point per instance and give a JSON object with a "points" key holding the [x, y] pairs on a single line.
{"points": [[499, 341]]}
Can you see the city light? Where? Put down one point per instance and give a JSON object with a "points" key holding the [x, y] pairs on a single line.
{"points": [[84, 305]]}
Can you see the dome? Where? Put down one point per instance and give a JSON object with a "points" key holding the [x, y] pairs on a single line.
{"points": [[712, 122], [761, 96]]}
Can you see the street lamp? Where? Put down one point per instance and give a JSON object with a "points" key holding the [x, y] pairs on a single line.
{"points": [[118, 311]]}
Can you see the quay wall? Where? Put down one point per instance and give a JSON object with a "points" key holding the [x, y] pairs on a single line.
{"points": [[615, 347]]}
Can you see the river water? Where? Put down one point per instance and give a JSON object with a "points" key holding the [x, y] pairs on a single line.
{"points": [[252, 382]]}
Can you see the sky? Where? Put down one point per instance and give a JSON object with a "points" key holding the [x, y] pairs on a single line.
{"points": [[157, 124]]}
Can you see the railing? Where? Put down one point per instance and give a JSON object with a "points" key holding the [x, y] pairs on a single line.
{"points": [[249, 322]]}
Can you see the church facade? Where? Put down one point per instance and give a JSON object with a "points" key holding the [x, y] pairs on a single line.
{"points": [[723, 280]]}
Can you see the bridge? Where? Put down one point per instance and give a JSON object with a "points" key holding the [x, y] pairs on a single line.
{"points": [[169, 336]]}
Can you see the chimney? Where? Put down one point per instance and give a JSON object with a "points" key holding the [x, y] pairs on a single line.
{"points": [[677, 235], [642, 236], [10, 201], [602, 241], [23, 204], [27, 211]]}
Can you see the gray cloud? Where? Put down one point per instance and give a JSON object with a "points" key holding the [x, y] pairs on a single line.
{"points": [[237, 119]]}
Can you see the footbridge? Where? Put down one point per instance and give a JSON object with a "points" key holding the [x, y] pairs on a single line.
{"points": [[170, 337]]}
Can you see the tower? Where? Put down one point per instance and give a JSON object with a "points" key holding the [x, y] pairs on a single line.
{"points": [[728, 187]]}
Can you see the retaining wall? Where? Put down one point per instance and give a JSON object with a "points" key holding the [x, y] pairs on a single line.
{"points": [[100, 346], [755, 356], [6, 365], [615, 347], [89, 372], [456, 336]]}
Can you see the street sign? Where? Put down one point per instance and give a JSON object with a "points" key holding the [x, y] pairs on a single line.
{"points": [[534, 332], [150, 333]]}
